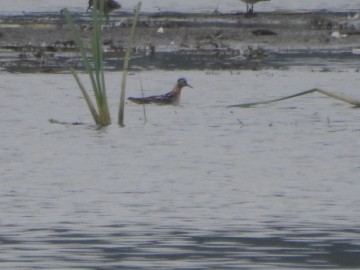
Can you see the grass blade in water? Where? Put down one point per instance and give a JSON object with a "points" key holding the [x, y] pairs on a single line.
{"points": [[80, 45], [96, 75], [87, 98], [351, 101], [97, 52], [126, 65]]}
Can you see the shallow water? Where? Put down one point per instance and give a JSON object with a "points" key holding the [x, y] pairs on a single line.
{"points": [[199, 186], [19, 6]]}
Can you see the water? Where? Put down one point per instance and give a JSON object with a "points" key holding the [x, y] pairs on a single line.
{"points": [[198, 186], [19, 6]]}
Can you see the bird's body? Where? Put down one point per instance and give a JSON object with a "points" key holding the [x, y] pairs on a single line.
{"points": [[109, 5], [250, 10], [171, 98]]}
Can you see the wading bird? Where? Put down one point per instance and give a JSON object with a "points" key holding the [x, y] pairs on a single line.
{"points": [[173, 97], [250, 5], [109, 5]]}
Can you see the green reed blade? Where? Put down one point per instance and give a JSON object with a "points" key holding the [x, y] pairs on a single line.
{"points": [[97, 52], [96, 74], [79, 44], [143, 95], [87, 98], [351, 101], [95, 49], [99, 69], [251, 104], [126, 65]]}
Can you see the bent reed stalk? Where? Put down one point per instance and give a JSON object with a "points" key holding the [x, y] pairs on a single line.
{"points": [[351, 101]]}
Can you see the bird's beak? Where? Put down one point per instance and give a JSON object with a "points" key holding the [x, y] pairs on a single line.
{"points": [[189, 86]]}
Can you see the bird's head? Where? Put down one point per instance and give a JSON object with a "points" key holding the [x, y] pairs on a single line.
{"points": [[182, 83]]}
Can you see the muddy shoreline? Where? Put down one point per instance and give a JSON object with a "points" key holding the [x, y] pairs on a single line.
{"points": [[42, 42]]}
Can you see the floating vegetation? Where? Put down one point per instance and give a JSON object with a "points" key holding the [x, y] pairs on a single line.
{"points": [[351, 101], [54, 121]]}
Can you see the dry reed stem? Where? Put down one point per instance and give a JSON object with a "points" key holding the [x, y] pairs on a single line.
{"points": [[349, 100]]}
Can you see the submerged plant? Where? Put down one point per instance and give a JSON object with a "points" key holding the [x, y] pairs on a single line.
{"points": [[95, 69]]}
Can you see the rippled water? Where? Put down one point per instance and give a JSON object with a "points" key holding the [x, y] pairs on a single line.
{"points": [[185, 5], [198, 186]]}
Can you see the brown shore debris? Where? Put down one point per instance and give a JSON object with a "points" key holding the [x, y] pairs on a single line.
{"points": [[43, 42]]}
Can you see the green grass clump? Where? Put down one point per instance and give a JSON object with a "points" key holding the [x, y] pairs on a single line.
{"points": [[96, 73], [95, 69]]}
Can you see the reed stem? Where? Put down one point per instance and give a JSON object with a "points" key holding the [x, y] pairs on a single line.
{"points": [[351, 101], [126, 66], [96, 73]]}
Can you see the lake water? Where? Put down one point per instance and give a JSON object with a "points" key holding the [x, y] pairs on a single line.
{"points": [[199, 186], [19, 6]]}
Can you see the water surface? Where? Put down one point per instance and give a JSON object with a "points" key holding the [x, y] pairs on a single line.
{"points": [[199, 186]]}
